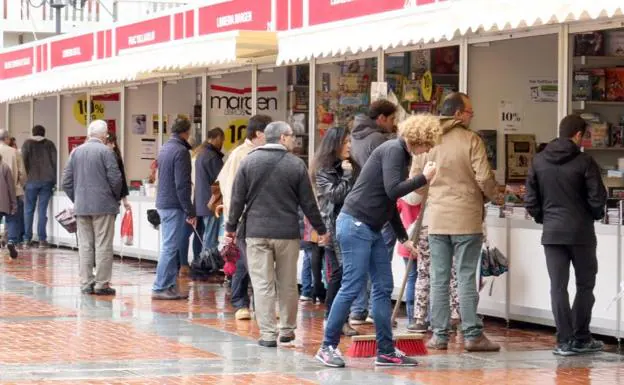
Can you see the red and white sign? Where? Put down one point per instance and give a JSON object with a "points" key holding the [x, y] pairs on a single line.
{"points": [[73, 50], [326, 11], [248, 15], [17, 63], [145, 33], [104, 44], [42, 58]]}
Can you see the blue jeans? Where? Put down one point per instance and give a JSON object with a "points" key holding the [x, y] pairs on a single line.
{"points": [[42, 192], [412, 275], [362, 306], [363, 253], [467, 251], [240, 279], [306, 273], [174, 228], [15, 223], [211, 232]]}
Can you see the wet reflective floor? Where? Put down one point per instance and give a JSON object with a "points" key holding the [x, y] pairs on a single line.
{"points": [[52, 334]]}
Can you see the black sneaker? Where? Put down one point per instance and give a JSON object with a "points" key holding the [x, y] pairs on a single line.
{"points": [[357, 319], [397, 358], [267, 344], [287, 339], [105, 291], [564, 349], [89, 289], [12, 250], [591, 346], [330, 356]]}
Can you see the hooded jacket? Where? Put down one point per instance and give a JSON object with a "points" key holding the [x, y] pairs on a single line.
{"points": [[463, 182], [366, 137], [566, 194]]}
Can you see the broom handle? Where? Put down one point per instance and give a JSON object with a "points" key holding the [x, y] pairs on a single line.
{"points": [[414, 237]]}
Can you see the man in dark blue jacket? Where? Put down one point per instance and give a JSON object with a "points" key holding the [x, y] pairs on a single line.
{"points": [[174, 207], [208, 165]]}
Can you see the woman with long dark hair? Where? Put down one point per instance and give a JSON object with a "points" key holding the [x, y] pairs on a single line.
{"points": [[333, 173], [111, 142]]}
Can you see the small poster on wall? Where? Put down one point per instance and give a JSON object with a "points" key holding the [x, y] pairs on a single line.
{"points": [[509, 116], [543, 90], [148, 148], [75, 141], [489, 139], [139, 124], [155, 119], [519, 152], [379, 90]]}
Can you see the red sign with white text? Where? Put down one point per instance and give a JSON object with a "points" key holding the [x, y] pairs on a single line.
{"points": [[248, 15], [73, 50], [17, 63], [144, 33], [326, 11]]}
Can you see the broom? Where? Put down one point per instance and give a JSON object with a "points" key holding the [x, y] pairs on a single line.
{"points": [[412, 344]]}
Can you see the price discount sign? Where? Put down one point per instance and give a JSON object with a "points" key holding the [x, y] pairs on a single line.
{"points": [[510, 116]]}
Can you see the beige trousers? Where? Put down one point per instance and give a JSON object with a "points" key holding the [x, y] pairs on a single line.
{"points": [[95, 246], [273, 266]]}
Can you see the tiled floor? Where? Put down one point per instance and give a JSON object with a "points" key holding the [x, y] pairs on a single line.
{"points": [[51, 334]]}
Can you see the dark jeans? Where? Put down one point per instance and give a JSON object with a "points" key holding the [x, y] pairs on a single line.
{"points": [[240, 280], [572, 323], [42, 192], [333, 272], [363, 252], [15, 224], [311, 272]]}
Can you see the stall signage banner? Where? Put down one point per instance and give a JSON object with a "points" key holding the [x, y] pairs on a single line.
{"points": [[510, 116], [17, 63], [73, 50], [230, 109], [234, 15], [144, 33], [326, 11]]}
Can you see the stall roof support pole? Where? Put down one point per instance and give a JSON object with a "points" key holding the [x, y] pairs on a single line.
{"points": [[204, 107], [161, 90], [89, 112], [563, 73], [122, 122], [32, 113], [59, 166], [463, 65], [312, 113], [381, 66], [254, 89]]}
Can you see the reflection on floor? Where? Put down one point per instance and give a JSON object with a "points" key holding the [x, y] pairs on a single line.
{"points": [[51, 334]]}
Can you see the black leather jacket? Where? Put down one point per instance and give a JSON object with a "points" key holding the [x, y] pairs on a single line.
{"points": [[333, 184]]}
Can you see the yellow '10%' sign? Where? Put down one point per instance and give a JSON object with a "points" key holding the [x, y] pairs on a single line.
{"points": [[235, 133], [80, 111]]}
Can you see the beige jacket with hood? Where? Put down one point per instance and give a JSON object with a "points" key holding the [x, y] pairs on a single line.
{"points": [[464, 181]]}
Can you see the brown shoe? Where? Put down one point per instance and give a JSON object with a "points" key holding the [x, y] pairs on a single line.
{"points": [[481, 344], [435, 343], [185, 271]]}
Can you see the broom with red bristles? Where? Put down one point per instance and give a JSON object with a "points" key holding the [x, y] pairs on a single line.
{"points": [[410, 344]]}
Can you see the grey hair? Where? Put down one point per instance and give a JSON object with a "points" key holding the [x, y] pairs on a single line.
{"points": [[274, 131], [4, 134], [98, 129]]}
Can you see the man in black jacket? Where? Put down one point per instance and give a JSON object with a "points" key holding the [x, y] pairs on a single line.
{"points": [[270, 186], [566, 194]]}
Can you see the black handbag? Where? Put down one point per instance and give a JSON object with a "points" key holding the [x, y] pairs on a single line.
{"points": [[153, 218]]}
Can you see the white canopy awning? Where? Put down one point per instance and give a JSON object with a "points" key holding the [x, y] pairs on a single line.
{"points": [[228, 49], [432, 23]]}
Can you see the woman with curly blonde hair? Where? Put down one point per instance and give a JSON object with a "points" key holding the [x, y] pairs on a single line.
{"points": [[370, 204]]}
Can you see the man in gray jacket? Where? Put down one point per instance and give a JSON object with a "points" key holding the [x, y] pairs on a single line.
{"points": [[92, 181], [270, 186]]}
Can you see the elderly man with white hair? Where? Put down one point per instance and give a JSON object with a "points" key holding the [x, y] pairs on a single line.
{"points": [[92, 180], [270, 186]]}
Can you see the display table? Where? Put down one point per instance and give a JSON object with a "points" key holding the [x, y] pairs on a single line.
{"points": [[146, 244]]}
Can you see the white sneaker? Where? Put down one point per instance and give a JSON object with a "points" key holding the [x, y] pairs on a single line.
{"points": [[303, 298]]}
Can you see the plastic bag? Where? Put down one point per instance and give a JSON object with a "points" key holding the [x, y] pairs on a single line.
{"points": [[127, 229], [67, 220]]}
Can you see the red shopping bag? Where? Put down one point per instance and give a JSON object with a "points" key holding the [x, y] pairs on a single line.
{"points": [[127, 232]]}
